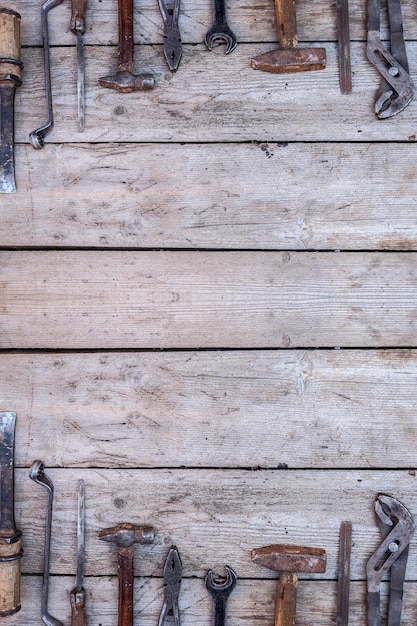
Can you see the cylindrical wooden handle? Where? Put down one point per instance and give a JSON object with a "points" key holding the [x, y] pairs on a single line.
{"points": [[125, 566], [10, 62], [287, 599], [286, 23], [10, 555]]}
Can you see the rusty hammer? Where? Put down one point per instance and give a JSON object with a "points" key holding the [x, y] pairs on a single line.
{"points": [[124, 536], [125, 80], [289, 58], [289, 560]]}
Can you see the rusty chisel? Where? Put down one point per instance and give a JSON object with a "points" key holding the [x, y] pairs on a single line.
{"points": [[78, 11], [343, 46], [10, 78], [10, 538], [78, 595]]}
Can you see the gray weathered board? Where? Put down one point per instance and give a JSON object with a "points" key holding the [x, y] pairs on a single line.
{"points": [[208, 310]]}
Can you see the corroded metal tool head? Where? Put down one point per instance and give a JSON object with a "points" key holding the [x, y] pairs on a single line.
{"points": [[288, 558]]}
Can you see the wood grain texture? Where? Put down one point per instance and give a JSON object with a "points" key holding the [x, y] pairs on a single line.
{"points": [[325, 409], [194, 105], [213, 516], [83, 300], [252, 602], [260, 195]]}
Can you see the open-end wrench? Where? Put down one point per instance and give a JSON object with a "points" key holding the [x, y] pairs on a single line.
{"points": [[37, 137], [220, 28], [38, 475], [220, 593]]}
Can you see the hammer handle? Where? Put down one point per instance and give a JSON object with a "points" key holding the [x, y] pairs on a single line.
{"points": [[125, 565], [10, 44], [78, 11], [286, 23], [126, 45], [287, 599]]}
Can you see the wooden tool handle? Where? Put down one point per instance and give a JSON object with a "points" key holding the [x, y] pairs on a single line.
{"points": [[287, 599], [10, 63], [10, 555], [286, 23], [78, 612], [125, 566], [78, 11]]}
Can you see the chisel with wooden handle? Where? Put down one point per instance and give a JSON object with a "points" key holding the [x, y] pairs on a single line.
{"points": [[78, 595], [78, 12], [10, 538]]}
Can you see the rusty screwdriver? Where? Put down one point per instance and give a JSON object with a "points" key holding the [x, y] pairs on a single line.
{"points": [[78, 12]]}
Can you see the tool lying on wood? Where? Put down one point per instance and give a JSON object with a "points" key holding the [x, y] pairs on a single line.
{"points": [[37, 137], [78, 595], [289, 560], [220, 28], [397, 89], [170, 10], [397, 526], [343, 574], [172, 582], [10, 78], [125, 80], [220, 593], [343, 46], [38, 475], [124, 536], [289, 58], [78, 12], [10, 538]]}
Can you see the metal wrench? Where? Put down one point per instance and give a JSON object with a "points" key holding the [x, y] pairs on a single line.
{"points": [[220, 28], [220, 593], [38, 475], [37, 137]]}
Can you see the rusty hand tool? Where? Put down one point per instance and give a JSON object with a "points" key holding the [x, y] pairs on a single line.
{"points": [[10, 78], [397, 527], [37, 474], [170, 11], [289, 58], [37, 137], [125, 80], [220, 593], [78, 12], [10, 538], [124, 536], [289, 560], [343, 46], [397, 89], [220, 28], [172, 582], [78, 595], [343, 575]]}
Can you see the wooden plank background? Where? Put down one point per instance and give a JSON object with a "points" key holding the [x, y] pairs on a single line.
{"points": [[208, 310]]}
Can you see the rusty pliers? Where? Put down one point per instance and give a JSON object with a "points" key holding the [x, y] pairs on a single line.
{"points": [[170, 10], [172, 583], [397, 89], [397, 526]]}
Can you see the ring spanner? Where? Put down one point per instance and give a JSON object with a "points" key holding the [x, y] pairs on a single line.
{"points": [[38, 475], [397, 526]]}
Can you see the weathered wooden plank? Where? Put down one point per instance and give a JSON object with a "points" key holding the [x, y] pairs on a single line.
{"points": [[250, 21], [326, 409], [213, 516], [260, 195], [251, 602], [116, 299], [203, 101]]}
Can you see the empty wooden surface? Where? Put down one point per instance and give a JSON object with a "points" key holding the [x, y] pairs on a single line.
{"points": [[208, 310]]}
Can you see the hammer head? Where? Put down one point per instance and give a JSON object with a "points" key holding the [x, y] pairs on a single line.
{"points": [[126, 82], [286, 60], [125, 535], [286, 558]]}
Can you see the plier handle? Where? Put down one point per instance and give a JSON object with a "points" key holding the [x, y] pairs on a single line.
{"points": [[397, 527], [172, 583]]}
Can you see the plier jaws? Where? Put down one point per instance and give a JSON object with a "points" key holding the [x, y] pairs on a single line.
{"points": [[172, 583], [172, 37], [397, 527]]}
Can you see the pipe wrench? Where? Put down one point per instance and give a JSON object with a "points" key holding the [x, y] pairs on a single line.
{"points": [[397, 89], [397, 526]]}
